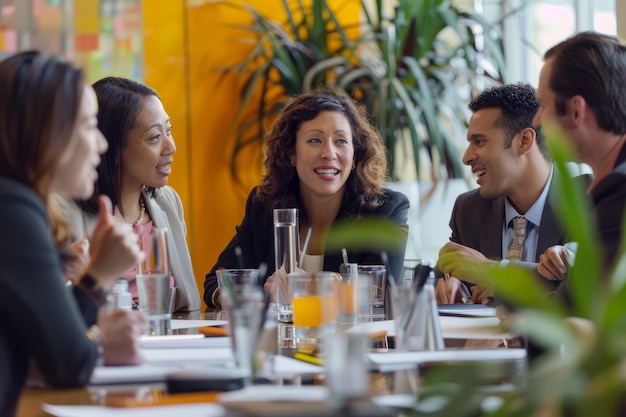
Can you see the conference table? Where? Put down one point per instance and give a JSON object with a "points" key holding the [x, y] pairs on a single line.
{"points": [[142, 390]]}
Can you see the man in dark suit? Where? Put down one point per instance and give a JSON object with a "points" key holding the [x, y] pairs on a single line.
{"points": [[515, 174], [582, 91]]}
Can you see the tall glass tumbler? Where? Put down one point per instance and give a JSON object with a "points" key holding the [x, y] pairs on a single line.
{"points": [[372, 282], [287, 253], [153, 282], [314, 307], [243, 302]]}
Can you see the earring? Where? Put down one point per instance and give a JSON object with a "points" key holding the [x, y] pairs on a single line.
{"points": [[353, 166], [145, 188], [293, 164]]}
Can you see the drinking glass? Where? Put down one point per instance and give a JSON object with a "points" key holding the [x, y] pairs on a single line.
{"points": [[286, 251], [153, 282], [372, 282], [314, 306], [242, 299], [346, 290]]}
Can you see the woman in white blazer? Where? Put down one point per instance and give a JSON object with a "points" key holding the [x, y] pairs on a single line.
{"points": [[133, 173]]}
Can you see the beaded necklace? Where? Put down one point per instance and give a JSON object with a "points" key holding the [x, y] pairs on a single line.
{"points": [[142, 213]]}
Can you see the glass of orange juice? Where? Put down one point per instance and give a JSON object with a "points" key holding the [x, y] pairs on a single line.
{"points": [[314, 306], [347, 295]]}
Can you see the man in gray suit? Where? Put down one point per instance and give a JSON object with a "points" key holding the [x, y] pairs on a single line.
{"points": [[514, 174]]}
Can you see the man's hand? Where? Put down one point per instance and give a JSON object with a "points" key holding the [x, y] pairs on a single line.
{"points": [[481, 294], [552, 263], [460, 261], [448, 290]]}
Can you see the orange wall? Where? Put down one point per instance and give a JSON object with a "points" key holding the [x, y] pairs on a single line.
{"points": [[184, 43]]}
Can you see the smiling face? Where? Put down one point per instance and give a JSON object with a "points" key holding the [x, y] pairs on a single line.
{"points": [[495, 166], [324, 154], [149, 148], [76, 173]]}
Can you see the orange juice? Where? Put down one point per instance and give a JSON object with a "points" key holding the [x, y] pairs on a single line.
{"points": [[330, 308], [307, 311], [346, 295]]}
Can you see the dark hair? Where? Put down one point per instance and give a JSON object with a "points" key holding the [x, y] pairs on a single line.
{"points": [[593, 66], [365, 185], [518, 105], [39, 103], [120, 101]]}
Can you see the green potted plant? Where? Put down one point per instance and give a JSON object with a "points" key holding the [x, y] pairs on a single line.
{"points": [[414, 70]]}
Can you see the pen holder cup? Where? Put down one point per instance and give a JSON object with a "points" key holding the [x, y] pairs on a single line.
{"points": [[416, 318], [346, 366]]}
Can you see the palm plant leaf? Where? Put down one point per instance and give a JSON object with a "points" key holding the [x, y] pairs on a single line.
{"points": [[397, 68]]}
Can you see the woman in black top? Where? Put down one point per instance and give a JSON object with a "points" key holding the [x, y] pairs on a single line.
{"points": [[324, 158], [50, 143]]}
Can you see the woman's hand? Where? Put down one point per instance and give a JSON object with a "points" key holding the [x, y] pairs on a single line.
{"points": [[283, 285], [120, 331], [114, 247], [80, 252]]}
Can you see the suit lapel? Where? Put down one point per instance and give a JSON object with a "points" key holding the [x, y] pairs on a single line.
{"points": [[491, 230], [549, 227]]}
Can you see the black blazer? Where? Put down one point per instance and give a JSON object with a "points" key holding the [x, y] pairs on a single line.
{"points": [[609, 201], [255, 237]]}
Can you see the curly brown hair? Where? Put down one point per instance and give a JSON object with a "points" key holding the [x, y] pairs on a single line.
{"points": [[365, 186]]}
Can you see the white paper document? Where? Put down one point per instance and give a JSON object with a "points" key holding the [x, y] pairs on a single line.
{"points": [[188, 324], [390, 360], [284, 365], [183, 341], [451, 327], [470, 310], [104, 375], [160, 362], [295, 393], [187, 410], [188, 355]]}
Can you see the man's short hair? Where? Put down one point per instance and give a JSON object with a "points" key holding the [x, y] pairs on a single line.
{"points": [[518, 105], [593, 66]]}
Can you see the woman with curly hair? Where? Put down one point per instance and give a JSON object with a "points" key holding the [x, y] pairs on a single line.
{"points": [[325, 159]]}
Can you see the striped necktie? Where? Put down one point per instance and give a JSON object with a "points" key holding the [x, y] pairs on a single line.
{"points": [[515, 251]]}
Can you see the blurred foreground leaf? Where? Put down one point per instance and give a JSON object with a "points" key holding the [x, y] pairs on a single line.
{"points": [[367, 234]]}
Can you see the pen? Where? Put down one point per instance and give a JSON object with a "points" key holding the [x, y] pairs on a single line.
{"points": [[466, 297], [306, 357]]}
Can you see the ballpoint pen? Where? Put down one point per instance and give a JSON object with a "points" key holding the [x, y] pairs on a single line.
{"points": [[466, 297]]}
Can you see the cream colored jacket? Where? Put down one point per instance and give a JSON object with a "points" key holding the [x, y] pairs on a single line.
{"points": [[166, 210]]}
